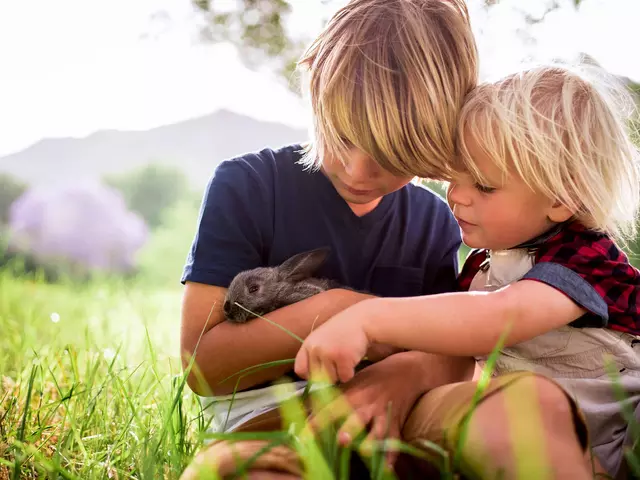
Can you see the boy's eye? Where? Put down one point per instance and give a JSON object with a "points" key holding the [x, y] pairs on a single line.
{"points": [[484, 188]]}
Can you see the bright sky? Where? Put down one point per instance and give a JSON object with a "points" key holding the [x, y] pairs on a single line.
{"points": [[71, 67]]}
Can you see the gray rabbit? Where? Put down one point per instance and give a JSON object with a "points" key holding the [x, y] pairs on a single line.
{"points": [[265, 289]]}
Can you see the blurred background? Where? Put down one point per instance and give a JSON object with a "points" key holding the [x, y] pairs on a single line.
{"points": [[115, 113]]}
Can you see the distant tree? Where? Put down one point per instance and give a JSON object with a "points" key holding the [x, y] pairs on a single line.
{"points": [[151, 190], [76, 229], [10, 189], [257, 28]]}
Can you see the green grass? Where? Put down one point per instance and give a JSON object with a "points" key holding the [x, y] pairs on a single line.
{"points": [[91, 387]]}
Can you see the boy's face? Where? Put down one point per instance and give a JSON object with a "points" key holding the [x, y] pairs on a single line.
{"points": [[500, 215], [361, 182]]}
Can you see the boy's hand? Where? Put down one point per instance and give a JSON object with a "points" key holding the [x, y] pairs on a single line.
{"points": [[334, 349], [378, 399]]}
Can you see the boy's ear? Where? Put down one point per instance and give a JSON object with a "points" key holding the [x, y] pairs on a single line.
{"points": [[559, 212]]}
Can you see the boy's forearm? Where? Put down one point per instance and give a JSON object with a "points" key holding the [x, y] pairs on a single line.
{"points": [[468, 323], [451, 324], [230, 348]]}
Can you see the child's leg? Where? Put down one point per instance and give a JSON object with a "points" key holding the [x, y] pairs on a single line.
{"points": [[525, 426]]}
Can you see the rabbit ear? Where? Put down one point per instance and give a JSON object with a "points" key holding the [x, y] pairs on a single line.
{"points": [[303, 265]]}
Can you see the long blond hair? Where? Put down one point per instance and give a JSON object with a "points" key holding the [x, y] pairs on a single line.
{"points": [[564, 130], [389, 78]]}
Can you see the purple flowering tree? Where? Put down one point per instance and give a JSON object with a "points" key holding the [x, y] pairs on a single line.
{"points": [[87, 227]]}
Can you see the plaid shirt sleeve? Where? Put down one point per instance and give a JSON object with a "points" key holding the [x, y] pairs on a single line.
{"points": [[594, 272]]}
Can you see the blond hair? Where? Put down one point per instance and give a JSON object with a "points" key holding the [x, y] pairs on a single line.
{"points": [[389, 78], [564, 132]]}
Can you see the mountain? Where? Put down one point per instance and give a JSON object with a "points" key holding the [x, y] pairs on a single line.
{"points": [[196, 145]]}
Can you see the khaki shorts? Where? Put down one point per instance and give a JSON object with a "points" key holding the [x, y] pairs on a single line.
{"points": [[436, 418]]}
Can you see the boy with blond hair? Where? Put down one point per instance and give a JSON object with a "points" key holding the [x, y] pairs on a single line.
{"points": [[549, 179], [385, 92]]}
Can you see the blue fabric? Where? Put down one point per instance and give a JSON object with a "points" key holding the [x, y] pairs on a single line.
{"points": [[261, 208], [575, 287]]}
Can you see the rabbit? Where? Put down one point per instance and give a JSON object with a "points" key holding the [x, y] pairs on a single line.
{"points": [[265, 289]]}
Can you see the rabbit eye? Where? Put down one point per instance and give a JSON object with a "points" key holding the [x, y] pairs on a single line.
{"points": [[253, 288]]}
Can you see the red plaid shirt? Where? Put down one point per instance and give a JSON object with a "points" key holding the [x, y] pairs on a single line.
{"points": [[595, 258]]}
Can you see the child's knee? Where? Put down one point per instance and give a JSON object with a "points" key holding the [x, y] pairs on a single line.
{"points": [[558, 413], [528, 400], [552, 401], [531, 410], [520, 428]]}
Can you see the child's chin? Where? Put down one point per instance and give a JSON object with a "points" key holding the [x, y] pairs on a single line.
{"points": [[471, 242]]}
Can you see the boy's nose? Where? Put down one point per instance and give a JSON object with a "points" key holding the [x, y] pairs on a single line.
{"points": [[361, 167], [457, 195]]}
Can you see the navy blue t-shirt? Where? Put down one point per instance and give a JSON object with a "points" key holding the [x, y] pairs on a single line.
{"points": [[261, 208]]}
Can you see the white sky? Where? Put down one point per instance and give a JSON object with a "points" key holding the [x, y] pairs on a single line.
{"points": [[71, 67]]}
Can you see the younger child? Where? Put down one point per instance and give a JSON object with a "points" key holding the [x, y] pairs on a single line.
{"points": [[549, 177]]}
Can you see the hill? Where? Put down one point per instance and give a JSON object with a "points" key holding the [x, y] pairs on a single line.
{"points": [[196, 145]]}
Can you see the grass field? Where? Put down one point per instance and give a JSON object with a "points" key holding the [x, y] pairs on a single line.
{"points": [[91, 386], [91, 383]]}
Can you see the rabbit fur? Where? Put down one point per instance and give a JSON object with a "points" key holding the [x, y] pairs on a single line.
{"points": [[265, 289]]}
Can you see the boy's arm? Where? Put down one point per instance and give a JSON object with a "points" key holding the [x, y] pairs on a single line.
{"points": [[226, 348], [467, 323], [456, 324]]}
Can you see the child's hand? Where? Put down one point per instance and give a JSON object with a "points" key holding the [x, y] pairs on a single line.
{"points": [[334, 349]]}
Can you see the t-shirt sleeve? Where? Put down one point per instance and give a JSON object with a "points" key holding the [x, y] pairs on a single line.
{"points": [[233, 231], [586, 274]]}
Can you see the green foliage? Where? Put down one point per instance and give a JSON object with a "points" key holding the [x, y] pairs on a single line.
{"points": [[440, 189], [162, 259], [151, 190], [257, 28], [10, 189], [260, 22], [633, 249], [90, 384]]}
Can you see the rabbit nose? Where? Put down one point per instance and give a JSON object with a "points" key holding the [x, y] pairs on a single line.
{"points": [[226, 307]]}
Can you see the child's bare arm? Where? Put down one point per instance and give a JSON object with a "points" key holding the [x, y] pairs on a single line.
{"points": [[227, 348], [461, 324], [469, 323]]}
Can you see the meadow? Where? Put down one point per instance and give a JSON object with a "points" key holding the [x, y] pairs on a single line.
{"points": [[91, 384]]}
